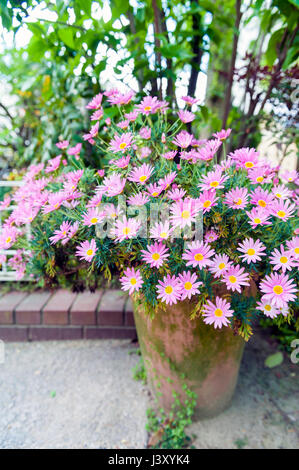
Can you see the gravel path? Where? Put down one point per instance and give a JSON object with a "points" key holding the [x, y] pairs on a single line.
{"points": [[80, 394], [72, 394]]}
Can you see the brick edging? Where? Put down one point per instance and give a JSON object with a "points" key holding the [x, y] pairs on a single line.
{"points": [[63, 315]]}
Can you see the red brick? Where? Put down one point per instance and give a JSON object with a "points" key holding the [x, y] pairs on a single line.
{"points": [[57, 309], [28, 311], [51, 333], [101, 332], [83, 311], [8, 303], [129, 315], [111, 309], [13, 333]]}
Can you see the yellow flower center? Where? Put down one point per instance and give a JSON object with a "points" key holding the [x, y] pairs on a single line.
{"points": [[277, 290], [278, 195], [198, 257], [147, 108], [163, 235], [281, 213], [168, 290], [268, 308], [8, 240], [238, 201], [257, 221], [262, 203], [260, 179], [207, 203], [221, 266], [283, 259], [232, 279], [126, 230], [155, 256], [122, 145], [249, 164], [218, 312], [155, 194], [133, 281], [64, 233], [214, 184], [89, 252], [113, 215], [188, 285], [251, 251], [56, 206], [297, 250], [93, 220], [185, 214], [142, 178], [290, 179]]}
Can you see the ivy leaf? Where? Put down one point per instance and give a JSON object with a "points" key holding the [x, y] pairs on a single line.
{"points": [[67, 37], [274, 360]]}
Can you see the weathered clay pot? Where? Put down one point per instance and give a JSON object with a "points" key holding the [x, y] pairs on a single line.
{"points": [[177, 351]]}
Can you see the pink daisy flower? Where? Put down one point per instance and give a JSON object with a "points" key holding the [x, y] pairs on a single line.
{"points": [[213, 180], [169, 155], [169, 290], [261, 197], [167, 180], [54, 202], [282, 260], [93, 216], [71, 232], [198, 254], [138, 199], [143, 152], [281, 192], [96, 102], [183, 212], [278, 290], [282, 209], [189, 285], [217, 314], [125, 229], [145, 133], [131, 280], [141, 174], [61, 233], [132, 116], [123, 124], [189, 100], [75, 150], [148, 105], [8, 237], [293, 247], [245, 158], [207, 199], [183, 139], [53, 164], [209, 150], [121, 98], [95, 201], [98, 114], [176, 194], [237, 198], [155, 254], [63, 144], [258, 216], [253, 250], [220, 264], [112, 185], [161, 231], [267, 309], [186, 116], [210, 236], [87, 250], [123, 162], [94, 130], [257, 175], [235, 277], [121, 143], [290, 176], [154, 189], [223, 134]]}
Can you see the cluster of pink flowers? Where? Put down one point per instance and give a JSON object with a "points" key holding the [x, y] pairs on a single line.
{"points": [[242, 201]]}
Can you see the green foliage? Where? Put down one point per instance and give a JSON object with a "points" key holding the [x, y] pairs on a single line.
{"points": [[139, 372], [283, 329], [168, 430]]}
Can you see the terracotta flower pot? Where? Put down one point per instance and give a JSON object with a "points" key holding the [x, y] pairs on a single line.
{"points": [[177, 351]]}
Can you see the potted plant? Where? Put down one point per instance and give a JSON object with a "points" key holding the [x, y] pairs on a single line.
{"points": [[203, 248]]}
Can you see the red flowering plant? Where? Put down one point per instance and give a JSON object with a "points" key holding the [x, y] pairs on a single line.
{"points": [[165, 215]]}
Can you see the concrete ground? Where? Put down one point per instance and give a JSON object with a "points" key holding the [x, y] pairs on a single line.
{"points": [[80, 394]]}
